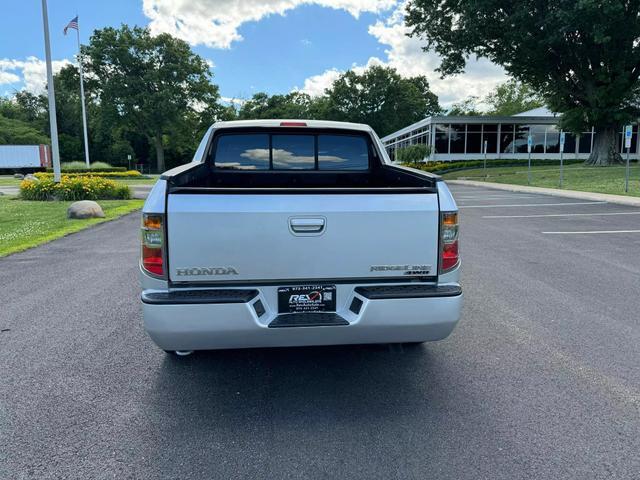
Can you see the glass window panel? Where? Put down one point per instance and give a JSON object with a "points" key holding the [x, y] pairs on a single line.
{"points": [[342, 152], [474, 127], [457, 138], [293, 152], [474, 142], [442, 139], [506, 139], [537, 132], [491, 127], [553, 139], [569, 143], [585, 143], [242, 152], [491, 137], [520, 139]]}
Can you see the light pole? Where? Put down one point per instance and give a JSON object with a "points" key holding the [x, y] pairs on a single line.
{"points": [[55, 150]]}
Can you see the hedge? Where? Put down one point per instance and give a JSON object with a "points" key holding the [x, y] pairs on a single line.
{"points": [[73, 188], [444, 167], [90, 170], [93, 173]]}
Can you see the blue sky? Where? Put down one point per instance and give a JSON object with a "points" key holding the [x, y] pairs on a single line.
{"points": [[255, 45]]}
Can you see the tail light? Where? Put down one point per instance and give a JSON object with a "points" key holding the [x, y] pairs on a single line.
{"points": [[449, 255], [153, 244]]}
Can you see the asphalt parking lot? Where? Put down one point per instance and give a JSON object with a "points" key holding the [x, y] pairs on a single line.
{"points": [[540, 379]]}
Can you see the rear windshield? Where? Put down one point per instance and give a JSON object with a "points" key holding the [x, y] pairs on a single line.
{"points": [[263, 151]]}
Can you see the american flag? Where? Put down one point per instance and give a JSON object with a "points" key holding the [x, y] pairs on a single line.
{"points": [[72, 24]]}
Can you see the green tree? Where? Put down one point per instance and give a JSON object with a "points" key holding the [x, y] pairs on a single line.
{"points": [[381, 98], [413, 153], [466, 108], [154, 83], [582, 56], [17, 132], [292, 105], [512, 97]]}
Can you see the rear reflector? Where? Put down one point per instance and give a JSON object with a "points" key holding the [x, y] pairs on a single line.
{"points": [[152, 260], [293, 124]]}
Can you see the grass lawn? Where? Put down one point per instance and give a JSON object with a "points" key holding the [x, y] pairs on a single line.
{"points": [[576, 177], [9, 181], [26, 224]]}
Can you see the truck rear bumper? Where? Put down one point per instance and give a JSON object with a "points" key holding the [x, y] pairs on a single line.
{"points": [[246, 319]]}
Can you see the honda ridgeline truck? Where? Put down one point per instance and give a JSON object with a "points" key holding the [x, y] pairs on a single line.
{"points": [[290, 233]]}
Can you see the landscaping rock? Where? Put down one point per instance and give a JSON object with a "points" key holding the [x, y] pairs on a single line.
{"points": [[19, 176], [32, 177], [85, 209]]}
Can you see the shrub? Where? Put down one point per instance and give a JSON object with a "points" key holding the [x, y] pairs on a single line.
{"points": [[127, 174], [413, 153], [83, 165], [73, 188]]}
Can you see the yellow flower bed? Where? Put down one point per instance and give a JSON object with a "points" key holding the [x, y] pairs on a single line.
{"points": [[73, 188], [127, 174]]}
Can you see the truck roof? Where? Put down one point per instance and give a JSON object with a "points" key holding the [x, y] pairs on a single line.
{"points": [[310, 123]]}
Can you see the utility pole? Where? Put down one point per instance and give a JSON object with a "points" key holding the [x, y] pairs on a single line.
{"points": [[55, 150]]}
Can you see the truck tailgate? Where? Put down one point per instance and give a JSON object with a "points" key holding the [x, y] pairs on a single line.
{"points": [[271, 237]]}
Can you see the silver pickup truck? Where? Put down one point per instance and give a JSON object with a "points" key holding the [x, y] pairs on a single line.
{"points": [[290, 233]]}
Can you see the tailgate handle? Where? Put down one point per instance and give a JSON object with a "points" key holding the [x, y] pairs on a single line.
{"points": [[307, 225]]}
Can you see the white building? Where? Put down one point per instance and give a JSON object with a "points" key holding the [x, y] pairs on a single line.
{"points": [[463, 138]]}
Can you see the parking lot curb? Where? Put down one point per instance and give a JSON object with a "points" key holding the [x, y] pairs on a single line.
{"points": [[597, 197]]}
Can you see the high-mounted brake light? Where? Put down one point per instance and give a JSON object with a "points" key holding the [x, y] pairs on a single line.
{"points": [[449, 254], [293, 124], [153, 244]]}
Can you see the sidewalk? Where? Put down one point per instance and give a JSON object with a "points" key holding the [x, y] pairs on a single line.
{"points": [[597, 197]]}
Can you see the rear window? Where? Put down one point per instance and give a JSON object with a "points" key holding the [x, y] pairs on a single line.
{"points": [[261, 151]]}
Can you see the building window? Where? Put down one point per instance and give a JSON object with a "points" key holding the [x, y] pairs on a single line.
{"points": [[507, 138], [490, 135], [442, 138], [520, 138], [474, 138], [569, 143], [538, 134], [584, 146], [553, 139], [457, 138]]}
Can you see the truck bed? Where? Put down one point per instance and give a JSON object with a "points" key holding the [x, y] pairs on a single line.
{"points": [[201, 178]]}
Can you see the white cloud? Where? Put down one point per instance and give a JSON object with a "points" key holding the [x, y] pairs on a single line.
{"points": [[32, 72], [8, 77], [317, 84], [405, 54], [215, 23]]}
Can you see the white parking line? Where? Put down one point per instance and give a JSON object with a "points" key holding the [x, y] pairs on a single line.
{"points": [[532, 205], [592, 231], [497, 197], [562, 215]]}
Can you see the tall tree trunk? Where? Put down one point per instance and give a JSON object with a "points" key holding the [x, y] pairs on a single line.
{"points": [[605, 148], [157, 141]]}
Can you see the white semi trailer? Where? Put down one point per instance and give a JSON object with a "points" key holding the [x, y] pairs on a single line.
{"points": [[24, 157]]}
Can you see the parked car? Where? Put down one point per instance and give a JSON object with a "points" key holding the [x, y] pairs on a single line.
{"points": [[290, 233]]}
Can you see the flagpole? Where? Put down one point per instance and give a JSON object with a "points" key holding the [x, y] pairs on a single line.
{"points": [[84, 108], [53, 123]]}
